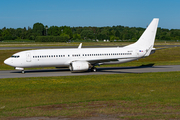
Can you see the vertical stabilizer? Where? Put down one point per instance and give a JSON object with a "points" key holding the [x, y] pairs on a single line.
{"points": [[146, 41]]}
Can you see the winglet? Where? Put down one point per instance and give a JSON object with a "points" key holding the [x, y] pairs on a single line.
{"points": [[80, 45]]}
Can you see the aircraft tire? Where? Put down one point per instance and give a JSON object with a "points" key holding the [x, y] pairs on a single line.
{"points": [[93, 69]]}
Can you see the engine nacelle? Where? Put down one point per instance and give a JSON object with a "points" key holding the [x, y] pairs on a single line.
{"points": [[18, 68], [79, 66]]}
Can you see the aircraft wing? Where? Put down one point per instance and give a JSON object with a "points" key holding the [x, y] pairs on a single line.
{"points": [[93, 62]]}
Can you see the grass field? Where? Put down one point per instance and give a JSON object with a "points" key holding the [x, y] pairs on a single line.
{"points": [[129, 96], [124, 96]]}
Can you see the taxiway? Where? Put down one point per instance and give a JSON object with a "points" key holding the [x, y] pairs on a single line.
{"points": [[100, 71]]}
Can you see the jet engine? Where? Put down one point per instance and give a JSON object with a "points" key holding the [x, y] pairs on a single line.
{"points": [[79, 66]]}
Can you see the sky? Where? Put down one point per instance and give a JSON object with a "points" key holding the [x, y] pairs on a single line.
{"points": [[97, 13]]}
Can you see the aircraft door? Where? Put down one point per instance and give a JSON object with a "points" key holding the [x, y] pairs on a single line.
{"points": [[28, 57]]}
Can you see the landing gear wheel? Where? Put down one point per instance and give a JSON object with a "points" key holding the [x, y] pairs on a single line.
{"points": [[93, 69], [23, 71]]}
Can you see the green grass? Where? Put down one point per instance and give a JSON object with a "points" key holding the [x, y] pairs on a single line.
{"points": [[129, 96], [169, 56]]}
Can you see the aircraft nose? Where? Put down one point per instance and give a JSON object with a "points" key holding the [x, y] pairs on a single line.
{"points": [[7, 61]]}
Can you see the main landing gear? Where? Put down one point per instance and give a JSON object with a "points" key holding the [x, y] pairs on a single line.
{"points": [[22, 71], [93, 69]]}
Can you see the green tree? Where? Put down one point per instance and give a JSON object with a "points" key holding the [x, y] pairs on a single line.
{"points": [[1, 38], [30, 34], [67, 30], [117, 33], [65, 35], [112, 38], [12, 32], [104, 35], [1, 32], [76, 36], [54, 31], [87, 34], [6, 34], [175, 34], [21, 33], [38, 29]]}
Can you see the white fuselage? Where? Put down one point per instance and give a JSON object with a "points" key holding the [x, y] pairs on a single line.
{"points": [[63, 57]]}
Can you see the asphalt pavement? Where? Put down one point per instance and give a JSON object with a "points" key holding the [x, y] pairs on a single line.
{"points": [[100, 71]]}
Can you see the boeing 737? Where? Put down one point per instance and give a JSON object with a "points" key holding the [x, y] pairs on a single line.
{"points": [[82, 59]]}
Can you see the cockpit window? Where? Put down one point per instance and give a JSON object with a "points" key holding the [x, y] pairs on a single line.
{"points": [[15, 56]]}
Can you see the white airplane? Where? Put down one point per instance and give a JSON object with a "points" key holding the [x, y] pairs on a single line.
{"points": [[81, 59]]}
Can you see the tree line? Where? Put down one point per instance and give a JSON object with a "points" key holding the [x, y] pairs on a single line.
{"points": [[41, 33]]}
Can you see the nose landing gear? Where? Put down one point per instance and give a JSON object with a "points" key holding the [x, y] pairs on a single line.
{"points": [[21, 69]]}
